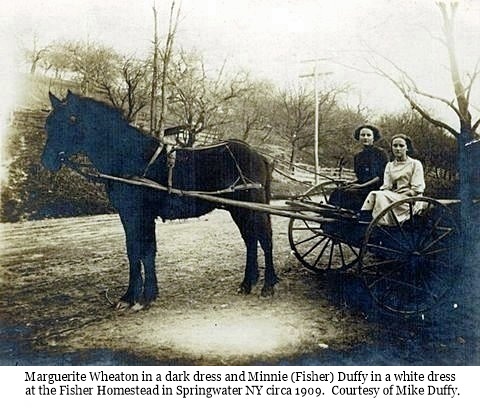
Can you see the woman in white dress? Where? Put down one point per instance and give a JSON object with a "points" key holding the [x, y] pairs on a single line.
{"points": [[403, 178]]}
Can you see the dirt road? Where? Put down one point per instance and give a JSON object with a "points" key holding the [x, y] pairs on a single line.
{"points": [[59, 277]]}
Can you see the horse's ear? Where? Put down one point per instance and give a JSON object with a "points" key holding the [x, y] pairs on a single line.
{"points": [[70, 95], [54, 100]]}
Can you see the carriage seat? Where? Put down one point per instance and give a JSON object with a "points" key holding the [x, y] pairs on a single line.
{"points": [[199, 148]]}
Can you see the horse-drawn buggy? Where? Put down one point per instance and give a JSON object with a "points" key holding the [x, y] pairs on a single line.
{"points": [[407, 265]]}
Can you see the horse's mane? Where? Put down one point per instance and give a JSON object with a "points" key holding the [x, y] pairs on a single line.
{"points": [[113, 113], [103, 106]]}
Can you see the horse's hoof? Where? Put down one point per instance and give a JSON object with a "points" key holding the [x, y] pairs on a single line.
{"points": [[268, 291], [122, 305], [150, 297], [244, 289]]}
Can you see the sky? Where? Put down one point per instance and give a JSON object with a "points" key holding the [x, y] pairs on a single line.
{"points": [[271, 39]]}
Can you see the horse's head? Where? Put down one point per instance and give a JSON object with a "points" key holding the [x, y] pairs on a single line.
{"points": [[64, 131]]}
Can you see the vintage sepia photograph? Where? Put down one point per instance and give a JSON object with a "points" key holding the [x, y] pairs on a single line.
{"points": [[220, 182]]}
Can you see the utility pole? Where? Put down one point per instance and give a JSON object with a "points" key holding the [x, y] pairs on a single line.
{"points": [[317, 113]]}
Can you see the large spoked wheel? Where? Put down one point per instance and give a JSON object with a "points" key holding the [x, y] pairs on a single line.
{"points": [[411, 255], [319, 250]]}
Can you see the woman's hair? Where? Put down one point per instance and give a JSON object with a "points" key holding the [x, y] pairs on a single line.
{"points": [[376, 132], [408, 141]]}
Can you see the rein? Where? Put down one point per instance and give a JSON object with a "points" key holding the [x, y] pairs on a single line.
{"points": [[275, 159]]}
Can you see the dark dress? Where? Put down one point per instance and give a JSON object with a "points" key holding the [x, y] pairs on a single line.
{"points": [[368, 164]]}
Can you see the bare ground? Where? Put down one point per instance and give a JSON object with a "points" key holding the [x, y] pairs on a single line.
{"points": [[58, 279]]}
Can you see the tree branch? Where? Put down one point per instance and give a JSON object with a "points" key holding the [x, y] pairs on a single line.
{"points": [[414, 104]]}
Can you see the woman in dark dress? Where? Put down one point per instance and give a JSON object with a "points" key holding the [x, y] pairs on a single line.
{"points": [[369, 165]]}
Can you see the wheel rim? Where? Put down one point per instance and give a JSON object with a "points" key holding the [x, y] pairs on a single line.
{"points": [[409, 266], [318, 250], [321, 192]]}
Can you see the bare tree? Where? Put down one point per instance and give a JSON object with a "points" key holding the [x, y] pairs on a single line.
{"points": [[294, 119], [159, 74], [36, 54], [251, 113], [126, 86], [460, 104], [57, 59], [199, 101], [89, 62], [295, 112]]}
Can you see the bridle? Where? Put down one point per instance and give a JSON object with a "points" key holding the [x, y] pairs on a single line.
{"points": [[86, 170]]}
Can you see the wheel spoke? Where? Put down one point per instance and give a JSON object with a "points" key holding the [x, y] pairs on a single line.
{"points": [[321, 253], [353, 250], [331, 255], [442, 250], [387, 233], [404, 284], [341, 255], [307, 239], [379, 247], [397, 222], [382, 263], [314, 247], [438, 239], [325, 197], [432, 229], [412, 230]]}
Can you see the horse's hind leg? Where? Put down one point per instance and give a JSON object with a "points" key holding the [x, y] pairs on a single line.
{"points": [[264, 230], [135, 283], [245, 221], [149, 249]]}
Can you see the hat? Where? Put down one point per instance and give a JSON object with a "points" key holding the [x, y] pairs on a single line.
{"points": [[374, 129]]}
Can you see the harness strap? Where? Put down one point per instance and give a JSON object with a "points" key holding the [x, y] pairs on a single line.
{"points": [[245, 180], [154, 157], [171, 158]]}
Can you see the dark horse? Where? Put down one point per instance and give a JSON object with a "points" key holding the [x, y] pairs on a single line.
{"points": [[114, 147]]}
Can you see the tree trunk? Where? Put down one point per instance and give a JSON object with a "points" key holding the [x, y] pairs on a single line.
{"points": [[154, 89], [466, 207], [33, 67], [293, 156]]}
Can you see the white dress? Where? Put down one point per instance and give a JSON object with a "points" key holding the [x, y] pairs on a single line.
{"points": [[401, 179]]}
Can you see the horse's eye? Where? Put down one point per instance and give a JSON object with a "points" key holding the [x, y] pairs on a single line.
{"points": [[73, 119]]}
